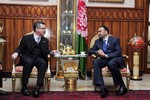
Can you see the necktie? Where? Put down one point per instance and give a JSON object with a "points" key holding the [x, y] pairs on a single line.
{"points": [[104, 46], [38, 39]]}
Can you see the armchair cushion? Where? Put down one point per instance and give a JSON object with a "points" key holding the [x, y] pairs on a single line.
{"points": [[105, 69], [20, 69]]}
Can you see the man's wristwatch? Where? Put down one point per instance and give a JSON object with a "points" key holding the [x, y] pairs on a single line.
{"points": [[106, 55]]}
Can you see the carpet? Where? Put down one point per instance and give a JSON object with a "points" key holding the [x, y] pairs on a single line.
{"points": [[80, 95]]}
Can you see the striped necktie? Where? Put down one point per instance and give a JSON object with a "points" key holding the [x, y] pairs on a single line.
{"points": [[38, 39]]}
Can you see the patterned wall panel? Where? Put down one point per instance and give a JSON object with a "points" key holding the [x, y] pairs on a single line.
{"points": [[118, 14], [28, 11]]}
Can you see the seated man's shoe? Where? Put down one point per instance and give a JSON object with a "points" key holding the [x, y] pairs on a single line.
{"points": [[3, 92], [122, 90], [36, 92], [25, 91], [103, 92]]}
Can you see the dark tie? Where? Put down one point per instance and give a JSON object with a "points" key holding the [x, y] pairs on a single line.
{"points": [[104, 46], [38, 39]]}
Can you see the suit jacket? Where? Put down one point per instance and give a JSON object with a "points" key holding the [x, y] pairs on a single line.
{"points": [[27, 44], [113, 49]]}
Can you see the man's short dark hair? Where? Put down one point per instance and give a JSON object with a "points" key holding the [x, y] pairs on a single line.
{"points": [[37, 25], [105, 28]]}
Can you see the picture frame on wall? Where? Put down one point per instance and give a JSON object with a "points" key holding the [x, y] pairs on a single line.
{"points": [[111, 1]]}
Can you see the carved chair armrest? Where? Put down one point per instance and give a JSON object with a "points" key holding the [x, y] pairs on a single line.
{"points": [[93, 56], [127, 59], [125, 56], [13, 65], [48, 69]]}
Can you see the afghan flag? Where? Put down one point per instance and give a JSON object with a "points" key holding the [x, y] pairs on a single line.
{"points": [[81, 36]]}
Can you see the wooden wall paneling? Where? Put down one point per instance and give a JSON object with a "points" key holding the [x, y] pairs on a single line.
{"points": [[115, 27], [127, 39], [146, 18], [126, 34], [132, 26], [27, 26], [132, 31], [140, 32], [53, 43], [140, 29], [123, 35], [139, 3], [18, 32], [19, 28], [91, 33], [9, 26]]}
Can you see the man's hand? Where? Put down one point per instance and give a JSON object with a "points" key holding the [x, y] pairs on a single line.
{"points": [[1, 66], [54, 52], [102, 54], [14, 56]]}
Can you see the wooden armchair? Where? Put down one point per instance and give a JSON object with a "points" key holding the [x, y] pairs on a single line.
{"points": [[106, 72], [17, 72]]}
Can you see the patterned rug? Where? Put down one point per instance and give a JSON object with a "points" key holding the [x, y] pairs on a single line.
{"points": [[80, 95]]}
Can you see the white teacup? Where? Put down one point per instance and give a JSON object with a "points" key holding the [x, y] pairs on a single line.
{"points": [[82, 52], [56, 52]]}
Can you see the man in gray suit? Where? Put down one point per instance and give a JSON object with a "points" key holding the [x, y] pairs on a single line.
{"points": [[33, 51], [108, 51]]}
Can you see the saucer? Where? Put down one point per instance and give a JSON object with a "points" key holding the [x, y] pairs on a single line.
{"points": [[82, 55], [57, 55]]}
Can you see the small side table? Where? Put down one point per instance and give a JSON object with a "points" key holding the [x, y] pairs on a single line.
{"points": [[70, 71], [69, 64]]}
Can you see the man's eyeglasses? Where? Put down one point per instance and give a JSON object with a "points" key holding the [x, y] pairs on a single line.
{"points": [[99, 31], [42, 28]]}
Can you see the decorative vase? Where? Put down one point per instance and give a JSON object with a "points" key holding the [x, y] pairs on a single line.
{"points": [[136, 43]]}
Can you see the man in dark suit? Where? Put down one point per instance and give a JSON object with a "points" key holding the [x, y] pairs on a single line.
{"points": [[108, 51], [33, 50], [1, 81]]}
